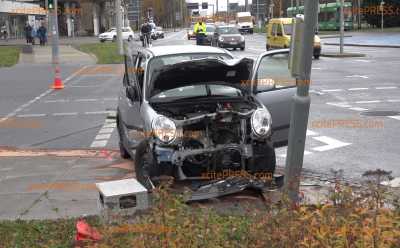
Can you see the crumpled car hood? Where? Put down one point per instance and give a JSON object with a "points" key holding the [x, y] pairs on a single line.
{"points": [[235, 72]]}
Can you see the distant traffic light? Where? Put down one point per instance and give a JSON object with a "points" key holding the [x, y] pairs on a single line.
{"points": [[50, 4], [204, 5]]}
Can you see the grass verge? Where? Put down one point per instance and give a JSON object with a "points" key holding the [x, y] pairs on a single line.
{"points": [[106, 53], [369, 217], [9, 56]]}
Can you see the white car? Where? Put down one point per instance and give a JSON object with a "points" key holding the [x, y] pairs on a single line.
{"points": [[160, 32], [111, 35]]}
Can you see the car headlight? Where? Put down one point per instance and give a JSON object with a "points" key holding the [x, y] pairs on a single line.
{"points": [[221, 39], [164, 129], [261, 122], [241, 38]]}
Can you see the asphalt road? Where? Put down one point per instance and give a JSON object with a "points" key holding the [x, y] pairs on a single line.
{"points": [[341, 90]]}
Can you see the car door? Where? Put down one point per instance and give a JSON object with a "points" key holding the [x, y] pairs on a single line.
{"points": [[273, 85], [130, 121]]}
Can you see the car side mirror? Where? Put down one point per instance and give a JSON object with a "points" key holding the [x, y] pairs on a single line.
{"points": [[131, 93]]}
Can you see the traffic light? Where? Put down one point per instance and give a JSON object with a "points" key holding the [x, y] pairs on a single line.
{"points": [[50, 4], [204, 5]]}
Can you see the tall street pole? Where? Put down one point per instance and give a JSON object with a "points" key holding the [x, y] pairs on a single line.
{"points": [[341, 26], [118, 16], [302, 55], [55, 46]]}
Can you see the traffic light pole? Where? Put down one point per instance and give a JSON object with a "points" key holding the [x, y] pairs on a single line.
{"points": [[300, 64]]}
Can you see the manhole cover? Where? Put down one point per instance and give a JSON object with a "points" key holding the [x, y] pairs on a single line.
{"points": [[380, 113]]}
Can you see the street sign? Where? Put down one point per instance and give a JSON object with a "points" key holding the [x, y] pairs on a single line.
{"points": [[192, 5]]}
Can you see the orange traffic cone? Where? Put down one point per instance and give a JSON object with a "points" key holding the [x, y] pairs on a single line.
{"points": [[58, 84]]}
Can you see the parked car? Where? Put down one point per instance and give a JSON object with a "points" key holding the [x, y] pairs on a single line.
{"points": [[111, 34], [159, 32], [279, 31], [210, 29], [228, 37], [185, 110]]}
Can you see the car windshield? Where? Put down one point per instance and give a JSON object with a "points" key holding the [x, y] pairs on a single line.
{"points": [[228, 30], [288, 29], [210, 29], [111, 30], [159, 62], [201, 90]]}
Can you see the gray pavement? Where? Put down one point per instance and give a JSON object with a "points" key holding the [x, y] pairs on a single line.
{"points": [[342, 89]]}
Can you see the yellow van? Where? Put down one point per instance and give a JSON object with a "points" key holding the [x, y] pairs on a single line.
{"points": [[279, 31]]}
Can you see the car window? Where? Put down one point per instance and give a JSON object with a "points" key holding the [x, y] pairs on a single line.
{"points": [[210, 29], [288, 28], [131, 68], [273, 72], [111, 30], [274, 29], [228, 30], [279, 30], [198, 90]]}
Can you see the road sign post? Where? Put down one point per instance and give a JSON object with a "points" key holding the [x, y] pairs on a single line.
{"points": [[341, 26], [300, 65], [53, 6], [118, 22]]}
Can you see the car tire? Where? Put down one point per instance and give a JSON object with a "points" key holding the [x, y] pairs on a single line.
{"points": [[234, 49], [102, 41], [263, 160], [316, 56], [146, 168], [114, 39], [242, 48], [130, 38]]}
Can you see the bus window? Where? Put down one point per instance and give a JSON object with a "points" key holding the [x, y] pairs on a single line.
{"points": [[279, 30]]}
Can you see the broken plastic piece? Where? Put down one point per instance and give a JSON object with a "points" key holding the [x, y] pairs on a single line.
{"points": [[84, 232]]}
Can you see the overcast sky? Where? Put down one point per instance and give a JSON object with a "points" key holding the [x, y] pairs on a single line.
{"points": [[221, 3]]}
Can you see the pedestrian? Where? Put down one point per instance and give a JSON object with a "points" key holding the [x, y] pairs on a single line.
{"points": [[200, 31], [42, 34], [146, 33], [33, 34], [28, 33], [4, 32]]}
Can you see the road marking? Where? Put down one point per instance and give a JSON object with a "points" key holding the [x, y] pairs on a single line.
{"points": [[373, 101], [31, 115], [316, 68], [339, 104], [98, 112], [357, 76], [394, 100], [111, 99], [355, 89], [104, 133], [397, 117], [65, 114], [317, 92], [25, 105], [54, 101], [332, 90], [386, 88], [358, 109], [362, 60], [330, 144], [86, 100], [83, 86], [311, 133]]}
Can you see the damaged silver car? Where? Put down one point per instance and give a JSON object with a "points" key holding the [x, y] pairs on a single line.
{"points": [[188, 110]]}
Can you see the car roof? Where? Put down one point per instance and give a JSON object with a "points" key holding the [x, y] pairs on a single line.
{"points": [[183, 49]]}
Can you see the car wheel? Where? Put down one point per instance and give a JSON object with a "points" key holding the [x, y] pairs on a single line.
{"points": [[263, 159], [114, 38], [146, 168], [102, 41], [234, 49], [242, 48], [316, 56], [130, 38]]}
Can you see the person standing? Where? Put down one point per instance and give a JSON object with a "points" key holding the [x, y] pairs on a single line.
{"points": [[28, 33], [200, 31], [33, 34], [42, 34]]}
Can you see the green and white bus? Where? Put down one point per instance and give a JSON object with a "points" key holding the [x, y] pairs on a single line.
{"points": [[329, 15]]}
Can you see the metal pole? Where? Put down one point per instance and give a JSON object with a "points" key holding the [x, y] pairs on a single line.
{"points": [[227, 11], [382, 3], [55, 41], [341, 26], [359, 14], [301, 104], [119, 26]]}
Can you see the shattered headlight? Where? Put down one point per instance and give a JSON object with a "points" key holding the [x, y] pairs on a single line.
{"points": [[261, 122], [164, 129]]}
